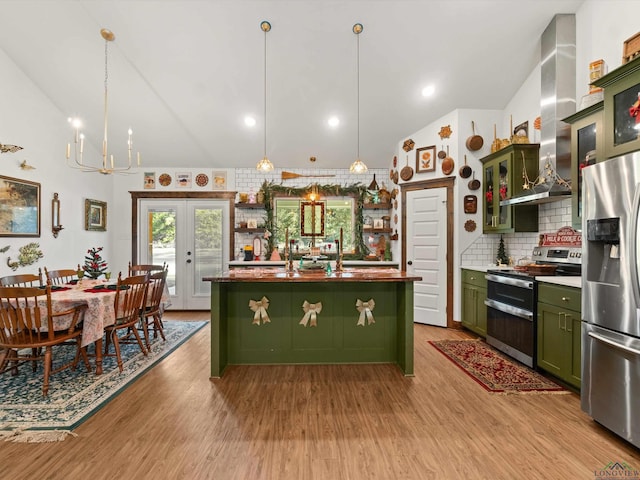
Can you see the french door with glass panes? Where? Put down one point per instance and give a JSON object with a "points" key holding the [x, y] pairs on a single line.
{"points": [[191, 237]]}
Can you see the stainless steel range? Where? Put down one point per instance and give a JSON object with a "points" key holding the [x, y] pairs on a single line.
{"points": [[512, 297]]}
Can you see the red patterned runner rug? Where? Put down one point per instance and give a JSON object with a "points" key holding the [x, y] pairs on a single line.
{"points": [[496, 372]]}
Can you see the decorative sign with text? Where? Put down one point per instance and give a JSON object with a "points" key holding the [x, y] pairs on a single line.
{"points": [[565, 237]]}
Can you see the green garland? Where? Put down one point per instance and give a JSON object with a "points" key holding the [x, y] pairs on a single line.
{"points": [[356, 190]]}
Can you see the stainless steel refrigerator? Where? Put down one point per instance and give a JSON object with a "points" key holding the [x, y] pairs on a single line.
{"points": [[611, 295]]}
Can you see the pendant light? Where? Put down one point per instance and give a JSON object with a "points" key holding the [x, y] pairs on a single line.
{"points": [[265, 164], [358, 166]]}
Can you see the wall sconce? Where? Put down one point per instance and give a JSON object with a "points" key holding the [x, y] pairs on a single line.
{"points": [[55, 216]]}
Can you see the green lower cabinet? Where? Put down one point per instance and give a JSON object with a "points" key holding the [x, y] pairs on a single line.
{"points": [[474, 293], [559, 334]]}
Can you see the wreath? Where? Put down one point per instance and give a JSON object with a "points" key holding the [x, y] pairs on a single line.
{"points": [[356, 190]]}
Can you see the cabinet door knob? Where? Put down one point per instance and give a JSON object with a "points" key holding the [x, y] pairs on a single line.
{"points": [[409, 262], [565, 299]]}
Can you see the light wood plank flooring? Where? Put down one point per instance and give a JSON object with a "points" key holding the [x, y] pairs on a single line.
{"points": [[323, 422]]}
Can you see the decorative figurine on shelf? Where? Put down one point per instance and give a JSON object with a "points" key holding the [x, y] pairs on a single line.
{"points": [[502, 258]]}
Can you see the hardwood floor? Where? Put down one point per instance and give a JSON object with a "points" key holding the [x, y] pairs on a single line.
{"points": [[323, 422]]}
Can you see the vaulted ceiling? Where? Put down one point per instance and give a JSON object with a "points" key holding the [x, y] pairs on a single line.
{"points": [[183, 74]]}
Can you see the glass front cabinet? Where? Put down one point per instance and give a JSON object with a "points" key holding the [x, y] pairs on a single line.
{"points": [[587, 147], [503, 177]]}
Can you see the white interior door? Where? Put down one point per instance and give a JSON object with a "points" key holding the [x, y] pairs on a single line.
{"points": [[191, 236], [426, 245]]}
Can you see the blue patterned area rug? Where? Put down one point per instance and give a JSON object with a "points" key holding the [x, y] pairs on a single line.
{"points": [[26, 416]]}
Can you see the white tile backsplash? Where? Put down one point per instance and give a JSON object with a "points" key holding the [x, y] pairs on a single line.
{"points": [[552, 216]]}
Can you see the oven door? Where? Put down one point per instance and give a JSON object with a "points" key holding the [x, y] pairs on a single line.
{"points": [[511, 321], [511, 331]]}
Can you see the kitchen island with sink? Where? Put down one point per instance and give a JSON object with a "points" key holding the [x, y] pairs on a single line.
{"points": [[271, 316]]}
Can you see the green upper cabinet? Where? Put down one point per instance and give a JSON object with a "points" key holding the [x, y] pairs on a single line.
{"points": [[502, 178], [621, 109], [587, 147]]}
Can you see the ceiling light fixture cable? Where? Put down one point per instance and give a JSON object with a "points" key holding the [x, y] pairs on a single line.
{"points": [[265, 164], [358, 166], [108, 165]]}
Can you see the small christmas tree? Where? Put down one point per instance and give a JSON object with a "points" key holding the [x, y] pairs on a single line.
{"points": [[94, 265], [502, 254]]}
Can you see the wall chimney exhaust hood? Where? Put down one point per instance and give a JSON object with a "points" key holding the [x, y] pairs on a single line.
{"points": [[557, 101]]}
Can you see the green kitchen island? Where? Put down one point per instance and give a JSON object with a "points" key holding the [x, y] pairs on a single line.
{"points": [[270, 316]]}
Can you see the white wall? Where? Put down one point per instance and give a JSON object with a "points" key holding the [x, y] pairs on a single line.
{"points": [[30, 120], [601, 29]]}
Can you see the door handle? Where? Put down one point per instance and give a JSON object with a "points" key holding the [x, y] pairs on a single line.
{"points": [[409, 262]]}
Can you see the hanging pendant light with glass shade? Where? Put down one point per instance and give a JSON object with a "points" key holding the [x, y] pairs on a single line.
{"points": [[358, 166], [265, 164], [108, 164]]}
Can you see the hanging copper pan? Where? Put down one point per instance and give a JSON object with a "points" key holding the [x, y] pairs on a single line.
{"points": [[442, 154], [465, 170], [474, 142], [447, 164], [407, 172], [475, 183]]}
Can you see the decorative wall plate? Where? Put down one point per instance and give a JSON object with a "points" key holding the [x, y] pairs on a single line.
{"points": [[470, 225], [445, 132], [165, 179], [408, 145], [202, 179]]}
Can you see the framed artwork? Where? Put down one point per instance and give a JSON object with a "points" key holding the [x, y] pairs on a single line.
{"points": [[149, 180], [426, 159], [183, 180], [378, 223], [219, 180], [19, 208], [252, 223], [95, 215]]}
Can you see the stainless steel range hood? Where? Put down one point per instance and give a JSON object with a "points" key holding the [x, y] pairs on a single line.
{"points": [[557, 101]]}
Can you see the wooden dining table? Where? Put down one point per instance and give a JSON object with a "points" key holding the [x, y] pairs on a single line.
{"points": [[99, 297], [100, 311]]}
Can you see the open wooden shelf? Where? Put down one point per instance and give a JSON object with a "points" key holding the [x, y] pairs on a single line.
{"points": [[250, 205]]}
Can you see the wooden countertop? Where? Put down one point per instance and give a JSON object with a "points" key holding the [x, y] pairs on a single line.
{"points": [[265, 275]]}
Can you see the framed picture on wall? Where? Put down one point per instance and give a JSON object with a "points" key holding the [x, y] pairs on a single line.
{"points": [[426, 159], [19, 208], [95, 215], [183, 180], [219, 181], [149, 180]]}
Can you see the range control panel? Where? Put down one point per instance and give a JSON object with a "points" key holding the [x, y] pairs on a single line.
{"points": [[557, 254]]}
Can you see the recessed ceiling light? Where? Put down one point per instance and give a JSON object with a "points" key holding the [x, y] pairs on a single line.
{"points": [[333, 122], [249, 121], [428, 91]]}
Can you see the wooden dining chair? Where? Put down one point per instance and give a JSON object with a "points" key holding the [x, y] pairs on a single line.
{"points": [[62, 276], [152, 315], [144, 269], [22, 280], [130, 300], [27, 324]]}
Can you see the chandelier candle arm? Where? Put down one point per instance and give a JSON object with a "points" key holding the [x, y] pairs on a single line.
{"points": [[108, 162]]}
